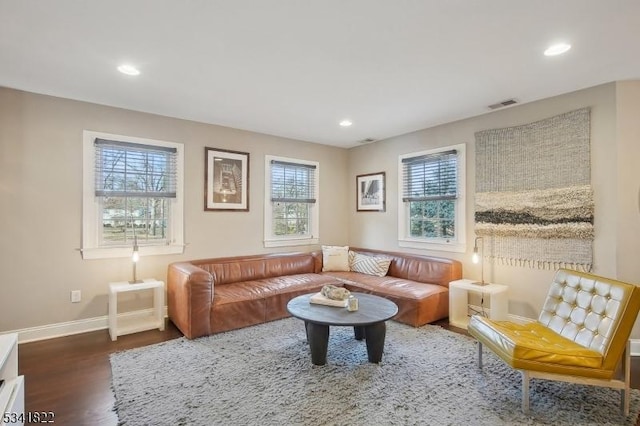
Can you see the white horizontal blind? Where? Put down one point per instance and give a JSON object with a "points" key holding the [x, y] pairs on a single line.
{"points": [[430, 177], [292, 182], [125, 169]]}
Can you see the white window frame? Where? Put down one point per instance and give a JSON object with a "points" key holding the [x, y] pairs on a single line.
{"points": [[271, 240], [91, 211], [457, 244]]}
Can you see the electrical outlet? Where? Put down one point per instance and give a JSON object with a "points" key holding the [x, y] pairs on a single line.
{"points": [[76, 296]]}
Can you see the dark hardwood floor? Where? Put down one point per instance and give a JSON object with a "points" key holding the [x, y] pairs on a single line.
{"points": [[71, 376]]}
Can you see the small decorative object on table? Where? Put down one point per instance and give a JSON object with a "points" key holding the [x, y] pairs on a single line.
{"points": [[352, 304], [331, 295], [335, 293]]}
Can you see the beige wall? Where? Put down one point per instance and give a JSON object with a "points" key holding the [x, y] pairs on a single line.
{"points": [[41, 207], [628, 154], [614, 178]]}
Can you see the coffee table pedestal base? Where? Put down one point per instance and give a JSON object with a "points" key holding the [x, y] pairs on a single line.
{"points": [[318, 338]]}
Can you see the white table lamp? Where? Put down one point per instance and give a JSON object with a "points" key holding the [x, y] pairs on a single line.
{"points": [[477, 258], [135, 257]]}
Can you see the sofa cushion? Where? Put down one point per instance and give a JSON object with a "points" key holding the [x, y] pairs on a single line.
{"points": [[253, 302], [418, 303], [370, 265], [335, 258], [261, 289], [398, 287]]}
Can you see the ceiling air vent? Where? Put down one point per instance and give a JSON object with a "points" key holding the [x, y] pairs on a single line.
{"points": [[367, 140], [503, 104]]}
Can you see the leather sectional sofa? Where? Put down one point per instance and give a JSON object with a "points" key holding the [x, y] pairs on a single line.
{"points": [[209, 296]]}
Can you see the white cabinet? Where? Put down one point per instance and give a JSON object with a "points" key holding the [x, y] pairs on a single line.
{"points": [[12, 385], [459, 301]]}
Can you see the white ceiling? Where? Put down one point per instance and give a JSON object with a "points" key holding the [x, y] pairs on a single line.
{"points": [[295, 68]]}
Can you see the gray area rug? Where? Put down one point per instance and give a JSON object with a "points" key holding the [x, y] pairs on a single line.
{"points": [[263, 375]]}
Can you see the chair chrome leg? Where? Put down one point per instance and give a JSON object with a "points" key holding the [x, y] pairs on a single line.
{"points": [[480, 355], [625, 394], [525, 392]]}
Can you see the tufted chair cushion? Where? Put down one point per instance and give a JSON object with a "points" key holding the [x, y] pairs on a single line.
{"points": [[583, 309]]}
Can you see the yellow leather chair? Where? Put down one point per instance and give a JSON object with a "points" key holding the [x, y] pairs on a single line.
{"points": [[581, 335]]}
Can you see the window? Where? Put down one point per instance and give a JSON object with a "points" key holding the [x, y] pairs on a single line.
{"points": [[431, 205], [291, 204], [132, 191]]}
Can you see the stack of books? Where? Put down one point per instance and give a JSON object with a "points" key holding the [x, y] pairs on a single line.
{"points": [[319, 299]]}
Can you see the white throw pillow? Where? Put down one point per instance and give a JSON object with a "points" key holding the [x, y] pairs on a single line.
{"points": [[370, 265], [335, 258]]}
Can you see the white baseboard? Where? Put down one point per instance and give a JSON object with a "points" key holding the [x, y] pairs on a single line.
{"points": [[69, 328], [635, 343]]}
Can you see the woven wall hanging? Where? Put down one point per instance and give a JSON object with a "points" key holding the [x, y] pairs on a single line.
{"points": [[534, 201]]}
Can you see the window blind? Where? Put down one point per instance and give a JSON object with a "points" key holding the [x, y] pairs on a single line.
{"points": [[430, 177], [292, 182], [125, 169]]}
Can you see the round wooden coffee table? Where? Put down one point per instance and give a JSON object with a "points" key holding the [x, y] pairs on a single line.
{"points": [[368, 323]]}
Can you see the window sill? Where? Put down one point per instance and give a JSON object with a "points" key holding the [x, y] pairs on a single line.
{"points": [[291, 242], [433, 245], [115, 252]]}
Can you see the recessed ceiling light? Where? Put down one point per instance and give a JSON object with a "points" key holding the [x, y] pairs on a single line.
{"points": [[557, 49], [346, 123], [128, 69]]}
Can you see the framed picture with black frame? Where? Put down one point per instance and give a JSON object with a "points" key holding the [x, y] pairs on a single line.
{"points": [[226, 181], [370, 192]]}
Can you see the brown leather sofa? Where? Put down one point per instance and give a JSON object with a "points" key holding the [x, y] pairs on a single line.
{"points": [[213, 295]]}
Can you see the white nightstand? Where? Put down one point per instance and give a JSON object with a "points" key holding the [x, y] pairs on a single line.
{"points": [[459, 301], [133, 324]]}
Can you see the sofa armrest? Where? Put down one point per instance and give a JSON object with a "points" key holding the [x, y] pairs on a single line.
{"points": [[189, 298]]}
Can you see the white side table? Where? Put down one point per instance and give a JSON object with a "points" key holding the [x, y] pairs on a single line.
{"points": [[459, 301], [134, 324]]}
